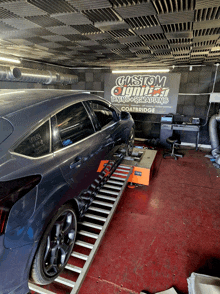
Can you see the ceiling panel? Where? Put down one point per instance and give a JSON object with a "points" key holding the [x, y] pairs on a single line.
{"points": [[206, 3], [111, 32], [89, 4], [72, 18], [130, 11], [176, 17], [22, 8]]}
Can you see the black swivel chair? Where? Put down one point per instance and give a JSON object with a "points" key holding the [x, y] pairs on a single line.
{"points": [[174, 141]]}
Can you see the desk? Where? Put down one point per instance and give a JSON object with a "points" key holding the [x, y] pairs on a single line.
{"points": [[188, 128], [167, 131]]}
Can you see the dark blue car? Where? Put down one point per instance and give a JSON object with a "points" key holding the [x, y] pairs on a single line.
{"points": [[51, 145]]}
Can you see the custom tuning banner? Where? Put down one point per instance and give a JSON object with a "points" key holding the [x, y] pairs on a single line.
{"points": [[143, 93]]}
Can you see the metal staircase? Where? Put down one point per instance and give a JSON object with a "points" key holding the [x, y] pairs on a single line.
{"points": [[90, 233]]}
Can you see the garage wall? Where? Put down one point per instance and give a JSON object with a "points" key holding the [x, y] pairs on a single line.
{"points": [[199, 80], [91, 79]]}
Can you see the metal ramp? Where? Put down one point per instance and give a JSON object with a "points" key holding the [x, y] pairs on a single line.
{"points": [[90, 233]]}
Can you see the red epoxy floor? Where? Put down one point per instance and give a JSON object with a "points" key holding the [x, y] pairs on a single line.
{"points": [[163, 232]]}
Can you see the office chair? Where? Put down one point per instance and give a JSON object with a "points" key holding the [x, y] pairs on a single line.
{"points": [[174, 141]]}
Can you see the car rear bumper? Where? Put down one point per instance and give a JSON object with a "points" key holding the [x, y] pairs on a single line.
{"points": [[14, 269]]}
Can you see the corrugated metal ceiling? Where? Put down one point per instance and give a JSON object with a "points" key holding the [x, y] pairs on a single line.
{"points": [[111, 32]]}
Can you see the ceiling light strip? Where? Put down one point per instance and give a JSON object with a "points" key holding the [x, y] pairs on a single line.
{"points": [[140, 71], [10, 60]]}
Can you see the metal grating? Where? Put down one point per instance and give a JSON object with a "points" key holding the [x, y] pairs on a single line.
{"points": [[170, 6], [91, 231]]}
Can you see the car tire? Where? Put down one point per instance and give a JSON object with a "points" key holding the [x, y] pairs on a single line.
{"points": [[130, 142], [55, 247]]}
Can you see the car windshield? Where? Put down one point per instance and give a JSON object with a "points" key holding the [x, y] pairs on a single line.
{"points": [[6, 129]]}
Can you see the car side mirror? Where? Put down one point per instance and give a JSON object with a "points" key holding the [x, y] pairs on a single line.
{"points": [[125, 115]]}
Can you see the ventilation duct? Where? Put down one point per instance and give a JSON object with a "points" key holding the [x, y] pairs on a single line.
{"points": [[36, 76], [67, 79], [6, 74], [32, 75], [213, 134]]}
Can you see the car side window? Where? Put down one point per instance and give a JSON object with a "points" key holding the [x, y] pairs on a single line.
{"points": [[103, 112], [71, 125], [37, 143]]}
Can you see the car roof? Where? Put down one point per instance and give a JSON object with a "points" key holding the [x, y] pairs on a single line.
{"points": [[26, 108], [15, 100]]}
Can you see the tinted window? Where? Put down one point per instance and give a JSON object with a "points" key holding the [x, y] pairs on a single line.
{"points": [[70, 126], [103, 112], [37, 143], [6, 129]]}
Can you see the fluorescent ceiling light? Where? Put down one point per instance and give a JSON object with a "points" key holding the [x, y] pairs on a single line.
{"points": [[140, 70], [9, 60]]}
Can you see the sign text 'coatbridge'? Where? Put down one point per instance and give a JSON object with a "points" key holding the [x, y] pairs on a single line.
{"points": [[153, 93]]}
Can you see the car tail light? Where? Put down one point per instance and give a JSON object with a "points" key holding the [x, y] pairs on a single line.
{"points": [[11, 192]]}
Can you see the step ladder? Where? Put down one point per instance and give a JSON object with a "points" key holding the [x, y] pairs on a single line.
{"points": [[90, 233]]}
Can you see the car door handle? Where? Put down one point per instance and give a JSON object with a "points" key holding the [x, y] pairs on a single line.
{"points": [[76, 163]]}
